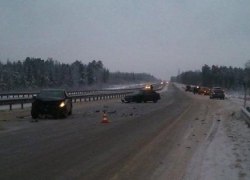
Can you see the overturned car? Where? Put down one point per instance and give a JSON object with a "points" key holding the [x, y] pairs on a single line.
{"points": [[55, 102], [142, 96]]}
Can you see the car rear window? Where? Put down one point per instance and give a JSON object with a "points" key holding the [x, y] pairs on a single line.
{"points": [[218, 91]]}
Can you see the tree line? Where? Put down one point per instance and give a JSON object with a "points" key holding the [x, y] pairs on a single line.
{"points": [[223, 76], [36, 73]]}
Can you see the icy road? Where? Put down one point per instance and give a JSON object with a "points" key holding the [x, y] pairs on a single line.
{"points": [[183, 136]]}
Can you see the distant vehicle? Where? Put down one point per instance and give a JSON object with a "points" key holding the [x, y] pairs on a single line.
{"points": [[53, 102], [204, 91], [217, 92], [142, 96], [188, 88]]}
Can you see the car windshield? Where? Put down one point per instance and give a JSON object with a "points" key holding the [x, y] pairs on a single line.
{"points": [[51, 94]]}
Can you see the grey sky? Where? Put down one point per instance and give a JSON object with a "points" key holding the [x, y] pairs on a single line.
{"points": [[154, 36]]}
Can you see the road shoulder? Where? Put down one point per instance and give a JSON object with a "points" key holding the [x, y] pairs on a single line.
{"points": [[226, 154]]}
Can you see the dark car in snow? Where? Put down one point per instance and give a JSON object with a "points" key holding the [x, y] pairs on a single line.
{"points": [[217, 92], [188, 88], [55, 102], [142, 96]]}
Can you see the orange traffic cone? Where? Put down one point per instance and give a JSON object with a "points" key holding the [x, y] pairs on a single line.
{"points": [[104, 118]]}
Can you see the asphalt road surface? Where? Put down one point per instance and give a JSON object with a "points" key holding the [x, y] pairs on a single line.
{"points": [[142, 140]]}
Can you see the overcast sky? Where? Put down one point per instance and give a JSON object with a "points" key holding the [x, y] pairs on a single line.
{"points": [[154, 36]]}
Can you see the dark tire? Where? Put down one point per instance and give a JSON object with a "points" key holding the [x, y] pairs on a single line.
{"points": [[34, 115], [65, 114], [155, 101], [70, 111]]}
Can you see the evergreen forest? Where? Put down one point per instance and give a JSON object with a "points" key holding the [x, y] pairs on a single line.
{"points": [[36, 73], [227, 77]]}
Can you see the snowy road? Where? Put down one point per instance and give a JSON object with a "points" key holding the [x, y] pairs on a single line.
{"points": [[183, 136]]}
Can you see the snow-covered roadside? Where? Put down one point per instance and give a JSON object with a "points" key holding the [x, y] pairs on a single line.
{"points": [[239, 100], [226, 153]]}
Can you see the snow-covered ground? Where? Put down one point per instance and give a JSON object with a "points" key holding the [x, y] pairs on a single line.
{"points": [[225, 155]]}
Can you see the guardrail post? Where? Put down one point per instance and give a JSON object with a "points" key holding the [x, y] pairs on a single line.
{"points": [[10, 107], [21, 105]]}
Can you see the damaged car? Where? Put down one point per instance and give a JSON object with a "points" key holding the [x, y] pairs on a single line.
{"points": [[142, 96], [54, 102]]}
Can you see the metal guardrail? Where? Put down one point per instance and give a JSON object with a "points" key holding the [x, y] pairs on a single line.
{"points": [[30, 94], [85, 98], [13, 101], [75, 95], [17, 95], [246, 114]]}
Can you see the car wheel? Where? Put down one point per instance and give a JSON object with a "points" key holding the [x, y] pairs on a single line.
{"points": [[70, 111], [34, 114], [65, 114], [155, 101]]}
